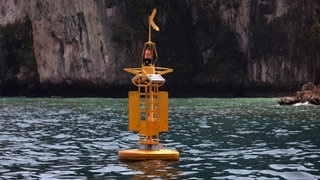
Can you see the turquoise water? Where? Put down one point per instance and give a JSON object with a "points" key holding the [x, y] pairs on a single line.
{"points": [[240, 138]]}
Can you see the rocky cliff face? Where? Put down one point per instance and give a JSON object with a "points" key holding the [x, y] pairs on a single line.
{"points": [[234, 45], [72, 41], [282, 50], [276, 42], [12, 11]]}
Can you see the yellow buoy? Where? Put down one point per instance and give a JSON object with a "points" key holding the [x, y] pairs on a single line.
{"points": [[148, 106], [141, 155]]}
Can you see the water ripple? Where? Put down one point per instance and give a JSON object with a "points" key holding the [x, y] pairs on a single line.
{"points": [[217, 139]]}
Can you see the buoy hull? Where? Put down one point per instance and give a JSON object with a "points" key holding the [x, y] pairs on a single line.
{"points": [[141, 155]]}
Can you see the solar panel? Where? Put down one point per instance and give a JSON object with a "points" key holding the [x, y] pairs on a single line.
{"points": [[155, 78]]}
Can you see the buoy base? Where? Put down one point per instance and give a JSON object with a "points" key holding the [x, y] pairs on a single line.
{"points": [[141, 155]]}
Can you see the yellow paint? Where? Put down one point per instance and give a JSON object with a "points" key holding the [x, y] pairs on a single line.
{"points": [[139, 155], [163, 111], [151, 21], [152, 24], [134, 110], [148, 106]]}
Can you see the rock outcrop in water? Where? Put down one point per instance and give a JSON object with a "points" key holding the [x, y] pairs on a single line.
{"points": [[239, 47], [308, 94]]}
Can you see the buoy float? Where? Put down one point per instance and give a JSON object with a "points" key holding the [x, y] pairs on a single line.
{"points": [[148, 107], [141, 155]]}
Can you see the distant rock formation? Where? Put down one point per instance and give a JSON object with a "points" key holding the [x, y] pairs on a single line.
{"points": [[241, 46], [309, 93]]}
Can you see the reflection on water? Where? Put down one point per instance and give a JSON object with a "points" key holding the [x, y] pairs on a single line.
{"points": [[217, 138], [153, 169]]}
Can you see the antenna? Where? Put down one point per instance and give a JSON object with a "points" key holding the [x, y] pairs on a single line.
{"points": [[151, 23]]}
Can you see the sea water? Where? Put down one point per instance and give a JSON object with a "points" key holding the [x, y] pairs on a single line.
{"points": [[237, 138]]}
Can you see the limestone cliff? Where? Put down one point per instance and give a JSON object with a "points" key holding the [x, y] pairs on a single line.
{"points": [[12, 11], [255, 44], [236, 45], [72, 41]]}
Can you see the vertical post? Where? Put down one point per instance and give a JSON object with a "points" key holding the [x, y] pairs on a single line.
{"points": [[149, 38]]}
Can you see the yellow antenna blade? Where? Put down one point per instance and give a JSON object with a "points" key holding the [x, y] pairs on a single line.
{"points": [[154, 26]]}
